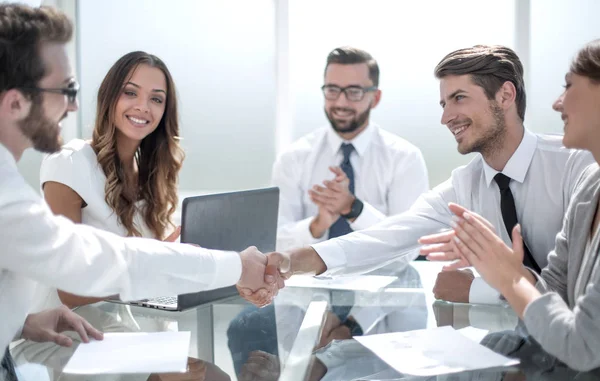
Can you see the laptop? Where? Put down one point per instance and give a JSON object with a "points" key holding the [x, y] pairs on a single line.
{"points": [[225, 221]]}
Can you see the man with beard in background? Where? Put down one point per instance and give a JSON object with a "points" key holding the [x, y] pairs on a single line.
{"points": [[333, 181], [351, 175]]}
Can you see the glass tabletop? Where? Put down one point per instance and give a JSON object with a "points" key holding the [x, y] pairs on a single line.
{"points": [[301, 335]]}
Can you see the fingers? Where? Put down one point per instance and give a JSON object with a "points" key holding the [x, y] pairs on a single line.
{"points": [[322, 202], [336, 186], [173, 236], [460, 210], [436, 248], [259, 298], [517, 240], [483, 228], [470, 236], [91, 331], [457, 265], [74, 322], [323, 193], [60, 339], [340, 175], [280, 261], [469, 255], [442, 237], [271, 273]]}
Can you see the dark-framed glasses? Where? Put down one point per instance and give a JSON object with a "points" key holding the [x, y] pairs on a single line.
{"points": [[353, 93], [70, 91]]}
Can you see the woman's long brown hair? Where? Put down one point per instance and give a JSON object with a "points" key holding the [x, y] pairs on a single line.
{"points": [[158, 158]]}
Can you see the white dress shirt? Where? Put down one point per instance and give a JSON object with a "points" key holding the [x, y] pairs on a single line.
{"points": [[544, 173], [40, 247], [389, 175], [76, 166]]}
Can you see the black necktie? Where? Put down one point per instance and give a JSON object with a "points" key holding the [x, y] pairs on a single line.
{"points": [[7, 367], [509, 215], [341, 226]]}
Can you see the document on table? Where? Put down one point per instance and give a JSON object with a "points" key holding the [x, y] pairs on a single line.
{"points": [[351, 283], [474, 334], [132, 352], [430, 352]]}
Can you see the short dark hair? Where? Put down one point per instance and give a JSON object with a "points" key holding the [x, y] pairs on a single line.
{"points": [[587, 61], [489, 66], [348, 55], [22, 31]]}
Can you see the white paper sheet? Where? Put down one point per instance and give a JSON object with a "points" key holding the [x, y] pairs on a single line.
{"points": [[132, 352], [475, 334], [370, 283], [430, 352]]}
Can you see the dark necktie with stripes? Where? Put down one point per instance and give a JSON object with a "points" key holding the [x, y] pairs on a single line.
{"points": [[341, 226]]}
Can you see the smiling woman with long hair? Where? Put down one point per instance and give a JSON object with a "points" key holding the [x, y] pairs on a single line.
{"points": [[125, 179]]}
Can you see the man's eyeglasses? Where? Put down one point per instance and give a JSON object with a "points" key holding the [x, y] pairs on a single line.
{"points": [[353, 93], [70, 92]]}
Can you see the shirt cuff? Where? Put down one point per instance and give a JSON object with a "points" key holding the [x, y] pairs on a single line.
{"points": [[368, 217], [483, 293], [228, 268], [332, 254]]}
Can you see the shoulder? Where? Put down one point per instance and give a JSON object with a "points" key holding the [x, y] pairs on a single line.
{"points": [[552, 145], [474, 167], [587, 184], [393, 142], [75, 152], [302, 147], [74, 162]]}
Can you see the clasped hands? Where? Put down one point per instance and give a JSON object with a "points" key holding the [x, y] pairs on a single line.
{"points": [[262, 275]]}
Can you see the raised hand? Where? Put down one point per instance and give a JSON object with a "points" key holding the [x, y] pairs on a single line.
{"points": [[335, 195], [442, 246], [498, 264]]}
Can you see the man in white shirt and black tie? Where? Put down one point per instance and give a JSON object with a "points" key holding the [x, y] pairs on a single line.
{"points": [[352, 174], [482, 94]]}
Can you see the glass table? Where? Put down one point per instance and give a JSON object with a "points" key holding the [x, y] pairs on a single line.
{"points": [[300, 336]]}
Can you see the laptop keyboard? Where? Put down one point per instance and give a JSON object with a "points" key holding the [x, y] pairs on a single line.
{"points": [[164, 300]]}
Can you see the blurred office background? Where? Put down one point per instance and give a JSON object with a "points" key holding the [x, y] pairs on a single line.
{"points": [[249, 72]]}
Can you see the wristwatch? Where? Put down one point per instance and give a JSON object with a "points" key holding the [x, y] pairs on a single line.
{"points": [[355, 209]]}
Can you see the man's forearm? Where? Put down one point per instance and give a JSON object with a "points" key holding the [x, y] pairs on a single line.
{"points": [[306, 260]]}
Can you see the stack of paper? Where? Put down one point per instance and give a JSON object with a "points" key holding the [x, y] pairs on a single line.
{"points": [[430, 352]]}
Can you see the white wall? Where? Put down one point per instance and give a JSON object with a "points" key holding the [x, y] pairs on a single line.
{"points": [[558, 30], [222, 57]]}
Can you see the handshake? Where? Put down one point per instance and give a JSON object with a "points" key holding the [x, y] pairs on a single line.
{"points": [[262, 275]]}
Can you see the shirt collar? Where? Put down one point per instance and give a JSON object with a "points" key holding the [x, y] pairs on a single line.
{"points": [[6, 156], [360, 142], [517, 166]]}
